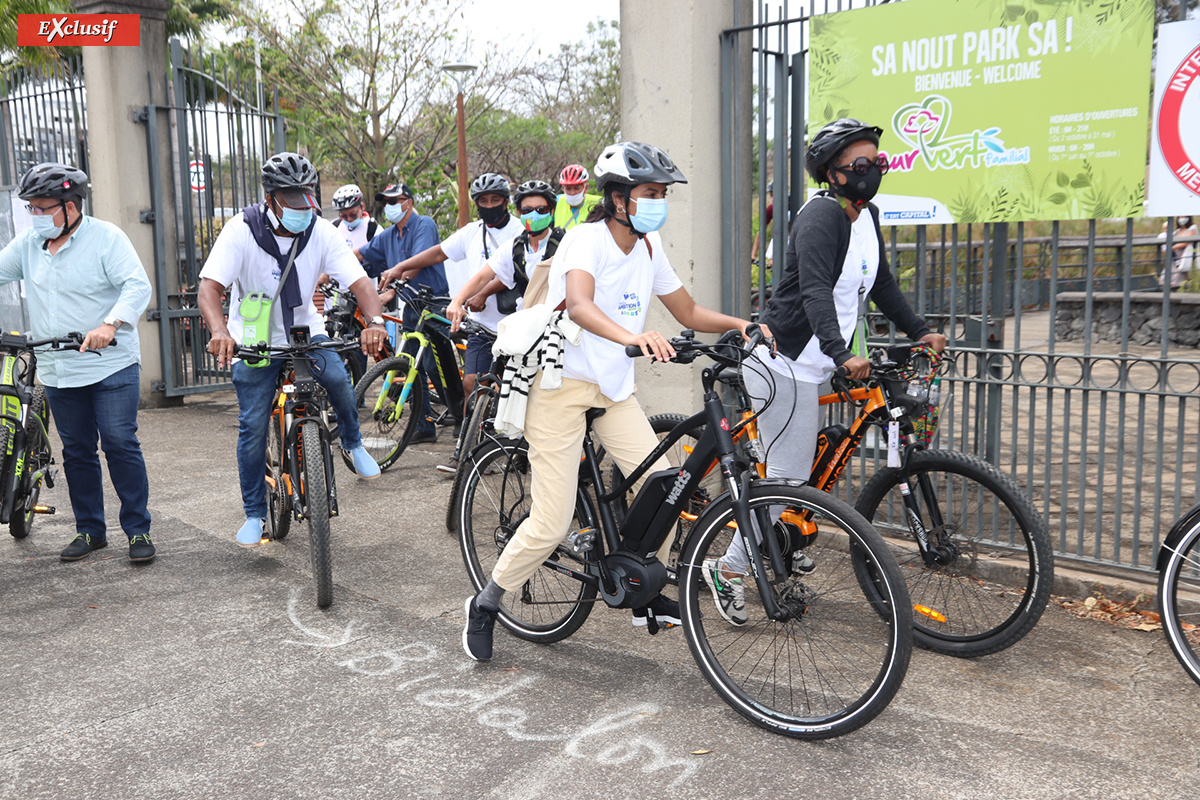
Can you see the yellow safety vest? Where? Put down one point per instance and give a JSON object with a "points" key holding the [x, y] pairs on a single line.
{"points": [[566, 216]]}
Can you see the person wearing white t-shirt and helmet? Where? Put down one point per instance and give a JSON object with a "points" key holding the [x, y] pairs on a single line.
{"points": [[604, 273], [278, 248], [473, 243], [353, 222]]}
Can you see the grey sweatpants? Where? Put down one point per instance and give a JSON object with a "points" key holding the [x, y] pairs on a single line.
{"points": [[788, 429]]}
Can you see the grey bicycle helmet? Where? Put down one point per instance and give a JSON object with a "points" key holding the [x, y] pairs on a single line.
{"points": [[489, 183], [347, 196], [831, 140], [532, 188], [57, 181], [289, 171], [633, 163]]}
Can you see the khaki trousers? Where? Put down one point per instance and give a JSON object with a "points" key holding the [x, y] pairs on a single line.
{"points": [[554, 427]]}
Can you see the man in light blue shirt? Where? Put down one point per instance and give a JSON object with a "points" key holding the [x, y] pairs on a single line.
{"points": [[82, 274]]}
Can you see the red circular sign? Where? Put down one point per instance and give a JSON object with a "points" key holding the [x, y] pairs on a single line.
{"points": [[1170, 137]]}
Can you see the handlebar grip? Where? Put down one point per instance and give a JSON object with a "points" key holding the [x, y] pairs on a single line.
{"points": [[633, 350]]}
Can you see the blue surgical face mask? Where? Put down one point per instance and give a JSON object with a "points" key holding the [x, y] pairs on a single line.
{"points": [[45, 227], [394, 212], [535, 222], [352, 225], [651, 215], [296, 220]]}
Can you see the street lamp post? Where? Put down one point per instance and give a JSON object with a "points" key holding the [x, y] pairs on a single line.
{"points": [[459, 71]]}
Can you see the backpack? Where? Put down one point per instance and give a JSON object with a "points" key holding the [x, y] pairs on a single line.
{"points": [[506, 299]]}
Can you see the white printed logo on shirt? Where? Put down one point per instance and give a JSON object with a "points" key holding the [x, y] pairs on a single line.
{"points": [[630, 305]]}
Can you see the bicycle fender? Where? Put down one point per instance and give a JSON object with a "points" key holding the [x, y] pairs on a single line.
{"points": [[1181, 528]]}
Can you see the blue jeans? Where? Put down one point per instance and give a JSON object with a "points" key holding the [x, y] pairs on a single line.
{"points": [[256, 392], [426, 368], [108, 410]]}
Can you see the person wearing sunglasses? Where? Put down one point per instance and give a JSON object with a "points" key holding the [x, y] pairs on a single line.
{"points": [[835, 264]]}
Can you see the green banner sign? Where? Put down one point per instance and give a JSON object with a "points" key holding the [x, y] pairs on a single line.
{"points": [[994, 111]]}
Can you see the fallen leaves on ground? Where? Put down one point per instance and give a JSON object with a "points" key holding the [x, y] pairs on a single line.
{"points": [[1121, 611]]}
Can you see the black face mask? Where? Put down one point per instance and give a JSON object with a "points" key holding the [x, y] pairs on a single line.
{"points": [[494, 217], [859, 189]]}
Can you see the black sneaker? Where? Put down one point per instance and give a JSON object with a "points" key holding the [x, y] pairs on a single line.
{"points": [[477, 633], [141, 549], [422, 437], [659, 613], [81, 545]]}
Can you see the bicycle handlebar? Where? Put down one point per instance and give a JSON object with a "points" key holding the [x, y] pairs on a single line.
{"points": [[687, 348], [263, 349]]}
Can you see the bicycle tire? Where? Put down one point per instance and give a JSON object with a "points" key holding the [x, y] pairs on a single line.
{"points": [[316, 508], [495, 499], [840, 657], [387, 431], [1179, 599], [279, 497], [471, 436], [995, 587], [38, 457]]}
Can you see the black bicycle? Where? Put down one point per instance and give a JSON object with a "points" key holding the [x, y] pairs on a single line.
{"points": [[26, 461], [818, 655], [1179, 590], [300, 473]]}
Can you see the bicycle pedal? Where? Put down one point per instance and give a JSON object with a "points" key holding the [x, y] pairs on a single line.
{"points": [[43, 509]]}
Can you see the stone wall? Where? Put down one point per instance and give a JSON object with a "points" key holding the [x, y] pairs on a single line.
{"points": [[1145, 318]]}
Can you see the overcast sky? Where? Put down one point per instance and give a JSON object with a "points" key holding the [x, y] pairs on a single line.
{"points": [[538, 22]]}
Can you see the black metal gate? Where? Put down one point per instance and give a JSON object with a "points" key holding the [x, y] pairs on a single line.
{"points": [[221, 132]]}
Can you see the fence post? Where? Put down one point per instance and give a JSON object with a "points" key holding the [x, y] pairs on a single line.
{"points": [[994, 317], [118, 96]]}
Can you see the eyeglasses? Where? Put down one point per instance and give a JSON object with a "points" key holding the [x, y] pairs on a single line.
{"points": [[860, 165], [350, 215], [397, 201], [38, 211], [538, 210]]}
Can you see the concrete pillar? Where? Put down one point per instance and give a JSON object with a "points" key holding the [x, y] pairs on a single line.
{"points": [[118, 81], [671, 98]]}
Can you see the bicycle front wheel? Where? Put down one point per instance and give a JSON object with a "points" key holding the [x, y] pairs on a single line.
{"points": [[839, 655], [316, 508], [387, 422], [483, 409], [1179, 599], [495, 499], [992, 564], [38, 458]]}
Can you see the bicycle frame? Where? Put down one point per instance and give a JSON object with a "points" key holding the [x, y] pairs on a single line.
{"points": [[449, 380]]}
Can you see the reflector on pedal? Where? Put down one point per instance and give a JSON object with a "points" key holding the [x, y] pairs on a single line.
{"points": [[929, 612]]}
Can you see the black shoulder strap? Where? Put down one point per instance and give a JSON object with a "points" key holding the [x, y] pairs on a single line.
{"points": [[372, 226], [556, 236], [337, 223], [520, 279]]}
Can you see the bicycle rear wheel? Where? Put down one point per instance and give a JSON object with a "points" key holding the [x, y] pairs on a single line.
{"points": [[316, 508], [279, 494], [38, 457], [840, 655], [495, 499], [1179, 598], [994, 569], [387, 427]]}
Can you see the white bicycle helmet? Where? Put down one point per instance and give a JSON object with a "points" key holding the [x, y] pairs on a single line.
{"points": [[633, 163], [347, 196]]}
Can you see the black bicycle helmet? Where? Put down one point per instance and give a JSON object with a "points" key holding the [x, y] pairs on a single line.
{"points": [[831, 140], [532, 188], [489, 183], [57, 181], [289, 171], [633, 163]]}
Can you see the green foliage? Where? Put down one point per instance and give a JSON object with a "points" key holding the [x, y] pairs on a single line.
{"points": [[10, 53]]}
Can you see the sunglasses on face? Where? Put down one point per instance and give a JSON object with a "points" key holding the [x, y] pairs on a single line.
{"points": [[538, 210], [860, 165]]}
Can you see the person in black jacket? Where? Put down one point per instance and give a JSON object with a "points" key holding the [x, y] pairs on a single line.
{"points": [[835, 261]]}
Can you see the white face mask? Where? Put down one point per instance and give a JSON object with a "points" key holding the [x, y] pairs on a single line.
{"points": [[45, 227], [574, 199], [394, 212]]}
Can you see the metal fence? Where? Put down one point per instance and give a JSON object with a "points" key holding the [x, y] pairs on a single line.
{"points": [[221, 132], [1101, 434], [42, 117]]}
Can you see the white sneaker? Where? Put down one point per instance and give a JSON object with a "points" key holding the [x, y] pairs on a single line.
{"points": [[728, 593]]}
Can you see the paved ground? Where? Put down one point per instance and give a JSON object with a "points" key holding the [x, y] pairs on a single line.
{"points": [[210, 673]]}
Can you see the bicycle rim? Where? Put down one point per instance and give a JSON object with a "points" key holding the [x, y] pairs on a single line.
{"points": [[839, 658], [996, 569], [495, 499], [316, 507], [386, 424], [1179, 601]]}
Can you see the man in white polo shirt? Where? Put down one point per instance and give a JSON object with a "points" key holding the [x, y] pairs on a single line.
{"points": [[252, 254]]}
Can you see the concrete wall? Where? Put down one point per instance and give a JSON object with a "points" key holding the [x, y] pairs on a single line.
{"points": [[118, 86], [13, 313], [670, 97]]}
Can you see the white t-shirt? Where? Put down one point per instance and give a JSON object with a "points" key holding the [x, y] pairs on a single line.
{"points": [[853, 285], [236, 257], [624, 285], [354, 238], [467, 245], [501, 263]]}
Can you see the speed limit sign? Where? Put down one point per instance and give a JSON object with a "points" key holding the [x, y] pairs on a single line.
{"points": [[196, 168]]}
